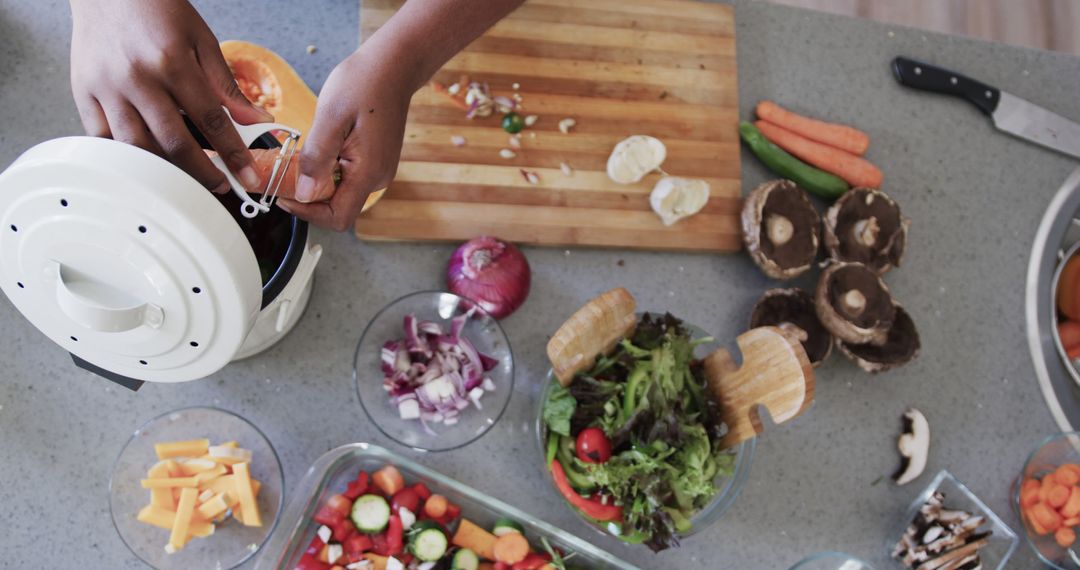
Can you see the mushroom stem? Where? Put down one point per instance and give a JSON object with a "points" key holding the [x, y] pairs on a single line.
{"points": [[854, 302], [779, 229], [794, 330], [866, 231]]}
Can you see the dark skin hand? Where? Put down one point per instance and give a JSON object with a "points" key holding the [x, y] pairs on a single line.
{"points": [[135, 63]]}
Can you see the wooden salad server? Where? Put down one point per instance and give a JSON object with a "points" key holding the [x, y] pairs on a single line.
{"points": [[775, 372]]}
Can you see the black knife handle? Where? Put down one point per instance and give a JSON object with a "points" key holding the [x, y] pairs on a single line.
{"points": [[919, 75]]}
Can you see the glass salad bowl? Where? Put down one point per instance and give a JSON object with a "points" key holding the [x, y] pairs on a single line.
{"points": [[428, 433], [727, 487], [231, 543], [332, 472]]}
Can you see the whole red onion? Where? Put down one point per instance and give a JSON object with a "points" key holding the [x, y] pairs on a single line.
{"points": [[491, 272]]}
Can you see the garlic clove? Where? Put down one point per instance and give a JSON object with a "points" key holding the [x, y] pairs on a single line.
{"points": [[676, 198], [634, 157]]}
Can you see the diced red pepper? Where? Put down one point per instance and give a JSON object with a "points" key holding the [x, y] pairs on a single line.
{"points": [[452, 513], [379, 544], [343, 530], [356, 545], [406, 498], [405, 558], [315, 546], [592, 508], [532, 562], [357, 487], [311, 562], [329, 517], [502, 566], [422, 490], [395, 535]]}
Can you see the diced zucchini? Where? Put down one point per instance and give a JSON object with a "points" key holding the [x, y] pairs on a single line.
{"points": [[465, 559], [370, 514], [506, 526], [427, 541]]}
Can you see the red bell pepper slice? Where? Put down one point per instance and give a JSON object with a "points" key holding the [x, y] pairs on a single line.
{"points": [[592, 508], [343, 530], [532, 562], [358, 486], [395, 536], [329, 517], [379, 544], [422, 490], [357, 545]]}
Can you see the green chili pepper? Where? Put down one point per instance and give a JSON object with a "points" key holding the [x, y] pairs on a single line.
{"points": [[817, 182], [513, 123]]}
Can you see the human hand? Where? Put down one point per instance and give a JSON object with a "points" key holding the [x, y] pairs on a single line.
{"points": [[136, 63], [358, 129]]}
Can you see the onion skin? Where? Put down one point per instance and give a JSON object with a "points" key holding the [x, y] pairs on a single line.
{"points": [[490, 272]]}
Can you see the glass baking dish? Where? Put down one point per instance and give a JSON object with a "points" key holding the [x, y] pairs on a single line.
{"points": [[337, 467]]}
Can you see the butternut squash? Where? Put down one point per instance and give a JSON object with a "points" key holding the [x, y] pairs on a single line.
{"points": [[269, 81]]}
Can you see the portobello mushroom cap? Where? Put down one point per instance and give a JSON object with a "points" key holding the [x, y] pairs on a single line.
{"points": [[781, 229], [854, 303], [900, 347], [792, 310], [865, 226]]}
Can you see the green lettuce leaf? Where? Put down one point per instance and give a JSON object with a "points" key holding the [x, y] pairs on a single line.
{"points": [[558, 409]]}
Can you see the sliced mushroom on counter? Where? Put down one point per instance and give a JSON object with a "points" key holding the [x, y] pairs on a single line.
{"points": [[781, 229], [854, 304], [865, 226], [914, 446], [900, 347], [792, 310]]}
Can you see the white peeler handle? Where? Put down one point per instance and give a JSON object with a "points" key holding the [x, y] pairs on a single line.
{"points": [[248, 133]]}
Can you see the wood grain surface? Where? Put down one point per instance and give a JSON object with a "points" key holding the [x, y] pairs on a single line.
{"points": [[664, 68]]}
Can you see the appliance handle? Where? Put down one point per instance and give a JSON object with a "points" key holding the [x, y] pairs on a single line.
{"points": [[97, 315], [301, 275]]}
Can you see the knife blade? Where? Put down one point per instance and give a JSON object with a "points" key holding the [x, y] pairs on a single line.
{"points": [[1010, 114]]}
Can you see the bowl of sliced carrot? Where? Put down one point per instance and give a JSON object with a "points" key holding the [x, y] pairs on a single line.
{"points": [[1047, 496], [196, 488]]}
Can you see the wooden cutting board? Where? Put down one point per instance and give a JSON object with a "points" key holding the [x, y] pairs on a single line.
{"points": [[664, 68]]}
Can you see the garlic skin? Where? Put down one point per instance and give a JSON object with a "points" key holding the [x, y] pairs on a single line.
{"points": [[676, 198], [634, 157]]}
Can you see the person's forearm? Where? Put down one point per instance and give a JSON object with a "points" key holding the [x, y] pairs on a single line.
{"points": [[425, 34]]}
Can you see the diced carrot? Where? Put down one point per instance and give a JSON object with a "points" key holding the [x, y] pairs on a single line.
{"points": [[511, 548], [471, 536], [1029, 492], [1048, 483], [1066, 476], [1065, 537], [388, 480], [1074, 521], [1046, 517], [1071, 508], [435, 506], [855, 170], [1035, 526], [1057, 496], [1071, 467], [442, 90], [842, 137]]}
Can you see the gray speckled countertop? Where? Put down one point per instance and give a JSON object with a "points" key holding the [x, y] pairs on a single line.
{"points": [[975, 197]]}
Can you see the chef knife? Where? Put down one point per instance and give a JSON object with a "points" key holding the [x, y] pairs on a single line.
{"points": [[1010, 113]]}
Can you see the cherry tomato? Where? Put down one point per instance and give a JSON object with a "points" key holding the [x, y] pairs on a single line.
{"points": [[340, 503], [593, 446], [408, 498]]}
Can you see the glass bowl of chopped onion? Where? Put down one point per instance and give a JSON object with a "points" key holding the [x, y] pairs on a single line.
{"points": [[205, 452], [433, 371]]}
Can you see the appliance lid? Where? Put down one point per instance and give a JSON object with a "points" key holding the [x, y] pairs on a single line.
{"points": [[124, 260]]}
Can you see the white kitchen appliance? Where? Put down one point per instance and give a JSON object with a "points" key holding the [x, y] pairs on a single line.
{"points": [[138, 271]]}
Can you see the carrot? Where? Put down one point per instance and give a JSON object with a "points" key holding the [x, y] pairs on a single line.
{"points": [[511, 548], [842, 137], [1066, 476], [435, 507], [1071, 508], [1058, 496], [1034, 523], [264, 166], [1065, 537], [1046, 517], [1070, 467], [1029, 492], [1074, 521], [388, 480], [442, 90], [854, 170]]}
